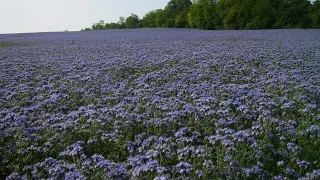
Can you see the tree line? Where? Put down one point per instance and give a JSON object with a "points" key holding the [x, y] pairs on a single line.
{"points": [[225, 14]]}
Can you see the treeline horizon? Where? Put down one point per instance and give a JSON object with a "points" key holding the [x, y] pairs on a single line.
{"points": [[224, 15]]}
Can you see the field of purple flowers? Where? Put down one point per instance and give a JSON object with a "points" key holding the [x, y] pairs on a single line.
{"points": [[160, 104]]}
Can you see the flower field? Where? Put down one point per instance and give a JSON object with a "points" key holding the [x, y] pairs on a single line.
{"points": [[160, 104]]}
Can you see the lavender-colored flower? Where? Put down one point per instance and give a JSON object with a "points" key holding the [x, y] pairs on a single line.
{"points": [[165, 103], [183, 168], [13, 176], [74, 176], [294, 148], [303, 164], [315, 174], [160, 178], [199, 173], [291, 172], [278, 178], [118, 172]]}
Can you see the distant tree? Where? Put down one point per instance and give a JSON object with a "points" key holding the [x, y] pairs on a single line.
{"points": [[245, 16], [174, 7], [194, 16], [315, 14], [112, 26], [132, 21], [239, 14], [160, 18], [293, 14], [98, 26], [225, 14], [202, 14], [230, 21], [149, 20], [176, 12], [181, 20], [222, 8], [263, 15], [122, 22]]}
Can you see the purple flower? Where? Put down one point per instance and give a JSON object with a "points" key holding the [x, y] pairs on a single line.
{"points": [[181, 132], [199, 173], [184, 166], [315, 174], [291, 172], [118, 172], [13, 176], [74, 176], [294, 148]]}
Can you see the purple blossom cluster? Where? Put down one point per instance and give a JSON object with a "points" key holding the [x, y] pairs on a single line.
{"points": [[160, 104]]}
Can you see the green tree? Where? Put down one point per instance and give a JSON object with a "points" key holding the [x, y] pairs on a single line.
{"points": [[226, 14], [195, 15], [315, 14], [174, 7], [176, 13], [122, 22], [132, 21], [263, 15], [98, 26], [113, 26], [239, 14], [160, 18], [230, 21], [202, 14], [181, 20], [149, 20], [245, 13], [293, 14], [222, 8]]}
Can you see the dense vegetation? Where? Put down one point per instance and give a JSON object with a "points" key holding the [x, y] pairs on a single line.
{"points": [[160, 104], [225, 14]]}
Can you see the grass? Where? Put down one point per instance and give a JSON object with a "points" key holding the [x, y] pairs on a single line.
{"points": [[6, 44]]}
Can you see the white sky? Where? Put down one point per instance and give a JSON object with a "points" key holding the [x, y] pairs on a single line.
{"points": [[17, 16]]}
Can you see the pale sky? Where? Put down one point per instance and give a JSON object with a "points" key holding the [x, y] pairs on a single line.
{"points": [[18, 16]]}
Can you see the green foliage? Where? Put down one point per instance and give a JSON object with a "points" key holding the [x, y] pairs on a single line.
{"points": [[181, 20], [86, 29], [315, 14], [98, 26], [113, 26], [160, 19], [6, 44], [262, 16], [292, 14], [132, 21], [225, 14], [149, 20], [231, 19], [177, 13], [203, 15], [175, 7]]}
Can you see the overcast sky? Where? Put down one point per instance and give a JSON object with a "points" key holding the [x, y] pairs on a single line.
{"points": [[18, 16]]}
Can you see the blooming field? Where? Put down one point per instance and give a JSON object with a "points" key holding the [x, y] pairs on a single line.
{"points": [[160, 104]]}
